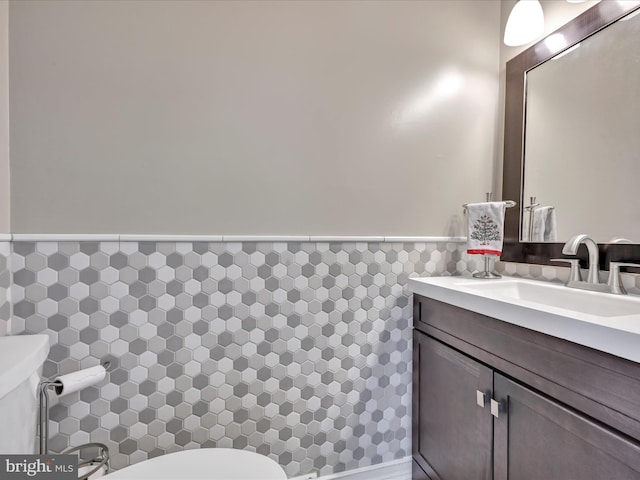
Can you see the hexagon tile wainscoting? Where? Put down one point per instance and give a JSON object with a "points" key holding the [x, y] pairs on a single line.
{"points": [[5, 288], [299, 351]]}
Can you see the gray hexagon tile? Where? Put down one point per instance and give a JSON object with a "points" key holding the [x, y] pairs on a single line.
{"points": [[299, 351]]}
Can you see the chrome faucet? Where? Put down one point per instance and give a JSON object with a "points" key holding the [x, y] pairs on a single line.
{"points": [[571, 248], [614, 284]]}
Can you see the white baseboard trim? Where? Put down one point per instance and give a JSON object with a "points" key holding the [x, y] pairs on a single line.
{"points": [[394, 470]]}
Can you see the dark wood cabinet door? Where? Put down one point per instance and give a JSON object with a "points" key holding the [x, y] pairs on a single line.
{"points": [[452, 433], [537, 438]]}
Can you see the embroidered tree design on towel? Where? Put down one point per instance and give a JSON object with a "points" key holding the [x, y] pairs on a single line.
{"points": [[485, 230]]}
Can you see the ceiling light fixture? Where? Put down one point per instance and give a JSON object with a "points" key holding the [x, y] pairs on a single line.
{"points": [[525, 23]]}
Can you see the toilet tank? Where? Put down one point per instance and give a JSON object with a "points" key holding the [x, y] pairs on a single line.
{"points": [[21, 360]]}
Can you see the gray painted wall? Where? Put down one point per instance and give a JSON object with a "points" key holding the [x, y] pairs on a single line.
{"points": [[4, 116], [251, 117]]}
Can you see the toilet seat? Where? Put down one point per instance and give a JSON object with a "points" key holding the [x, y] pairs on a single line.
{"points": [[203, 464]]}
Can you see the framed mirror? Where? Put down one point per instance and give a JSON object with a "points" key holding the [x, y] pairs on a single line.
{"points": [[546, 101]]}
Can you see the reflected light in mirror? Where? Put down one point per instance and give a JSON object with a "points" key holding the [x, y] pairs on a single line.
{"points": [[448, 84], [525, 23], [568, 50], [555, 43], [630, 16]]}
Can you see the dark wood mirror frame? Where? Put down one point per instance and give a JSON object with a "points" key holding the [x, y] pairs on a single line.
{"points": [[583, 26]]}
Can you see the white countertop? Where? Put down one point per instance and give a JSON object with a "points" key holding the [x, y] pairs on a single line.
{"points": [[605, 322]]}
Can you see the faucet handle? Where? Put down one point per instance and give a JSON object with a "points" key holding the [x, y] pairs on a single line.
{"points": [[574, 273], [615, 283]]}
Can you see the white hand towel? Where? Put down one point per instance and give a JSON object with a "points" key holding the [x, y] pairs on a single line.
{"points": [[544, 228], [485, 222]]}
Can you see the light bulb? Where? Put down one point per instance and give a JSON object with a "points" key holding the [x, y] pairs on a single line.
{"points": [[525, 23]]}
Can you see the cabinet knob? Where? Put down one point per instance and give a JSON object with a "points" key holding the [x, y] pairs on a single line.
{"points": [[482, 398], [497, 408]]}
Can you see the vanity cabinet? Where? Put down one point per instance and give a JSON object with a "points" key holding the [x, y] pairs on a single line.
{"points": [[483, 407], [451, 434]]}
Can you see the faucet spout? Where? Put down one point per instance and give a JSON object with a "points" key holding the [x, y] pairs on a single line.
{"points": [[571, 248]]}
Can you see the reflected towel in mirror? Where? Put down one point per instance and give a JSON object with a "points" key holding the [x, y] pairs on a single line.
{"points": [[544, 228]]}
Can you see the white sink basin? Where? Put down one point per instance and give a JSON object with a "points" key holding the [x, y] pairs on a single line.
{"points": [[552, 295], [606, 322]]}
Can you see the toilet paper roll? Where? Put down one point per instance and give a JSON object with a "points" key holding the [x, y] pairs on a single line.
{"points": [[72, 382]]}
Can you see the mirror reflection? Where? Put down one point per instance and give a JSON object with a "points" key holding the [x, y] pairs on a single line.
{"points": [[582, 140]]}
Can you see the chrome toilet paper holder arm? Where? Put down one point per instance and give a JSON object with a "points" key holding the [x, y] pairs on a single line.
{"points": [[100, 461], [43, 413]]}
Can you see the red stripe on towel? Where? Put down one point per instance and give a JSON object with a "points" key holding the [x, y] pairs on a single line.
{"points": [[481, 251]]}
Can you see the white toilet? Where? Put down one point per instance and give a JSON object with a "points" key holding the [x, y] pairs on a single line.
{"points": [[203, 464], [21, 360]]}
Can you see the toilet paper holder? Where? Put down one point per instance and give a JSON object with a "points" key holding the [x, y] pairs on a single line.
{"points": [[100, 461]]}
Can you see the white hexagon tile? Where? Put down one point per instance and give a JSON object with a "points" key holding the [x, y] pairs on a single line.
{"points": [[299, 351]]}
